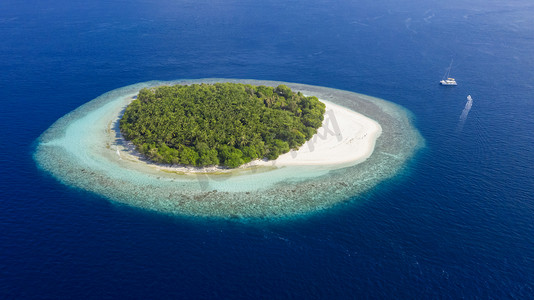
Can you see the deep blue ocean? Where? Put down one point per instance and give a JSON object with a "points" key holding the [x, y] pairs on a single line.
{"points": [[458, 222]]}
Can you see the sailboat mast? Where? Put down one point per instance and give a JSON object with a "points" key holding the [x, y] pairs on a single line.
{"points": [[447, 80], [449, 71]]}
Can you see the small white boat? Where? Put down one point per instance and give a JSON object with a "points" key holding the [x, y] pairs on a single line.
{"points": [[446, 79], [469, 102]]}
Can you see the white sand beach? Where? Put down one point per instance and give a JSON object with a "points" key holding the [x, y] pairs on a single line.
{"points": [[346, 137]]}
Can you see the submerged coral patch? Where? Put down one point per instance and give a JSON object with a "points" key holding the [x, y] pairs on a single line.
{"points": [[85, 149]]}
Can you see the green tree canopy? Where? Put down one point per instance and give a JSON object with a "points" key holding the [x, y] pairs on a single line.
{"points": [[219, 124]]}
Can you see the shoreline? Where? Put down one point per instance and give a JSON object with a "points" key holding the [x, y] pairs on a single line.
{"points": [[345, 138]]}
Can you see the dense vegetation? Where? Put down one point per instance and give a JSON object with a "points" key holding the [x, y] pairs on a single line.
{"points": [[219, 124]]}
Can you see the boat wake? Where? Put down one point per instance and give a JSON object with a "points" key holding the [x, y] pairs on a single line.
{"points": [[465, 112]]}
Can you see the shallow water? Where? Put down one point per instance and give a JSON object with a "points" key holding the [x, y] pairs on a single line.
{"points": [[81, 150]]}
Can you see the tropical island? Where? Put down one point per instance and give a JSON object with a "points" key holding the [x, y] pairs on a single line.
{"points": [[227, 124], [362, 141]]}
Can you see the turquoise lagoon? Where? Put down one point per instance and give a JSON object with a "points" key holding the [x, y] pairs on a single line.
{"points": [[84, 149]]}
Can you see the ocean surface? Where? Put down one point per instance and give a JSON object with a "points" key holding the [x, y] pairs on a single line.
{"points": [[457, 222]]}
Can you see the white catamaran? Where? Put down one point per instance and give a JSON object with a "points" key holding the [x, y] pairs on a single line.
{"points": [[446, 79]]}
